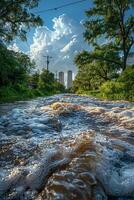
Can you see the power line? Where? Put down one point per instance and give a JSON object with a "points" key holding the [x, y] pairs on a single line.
{"points": [[59, 7]]}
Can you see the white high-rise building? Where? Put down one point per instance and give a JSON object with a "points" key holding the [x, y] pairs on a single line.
{"points": [[61, 78], [69, 79]]}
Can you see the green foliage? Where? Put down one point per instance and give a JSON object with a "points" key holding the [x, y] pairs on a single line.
{"points": [[33, 80], [88, 82], [94, 93], [46, 80], [16, 82], [58, 87], [106, 54], [47, 83], [112, 90], [87, 78], [93, 70], [10, 93], [14, 67], [127, 77], [8, 65], [123, 88], [16, 18], [111, 20], [101, 69]]}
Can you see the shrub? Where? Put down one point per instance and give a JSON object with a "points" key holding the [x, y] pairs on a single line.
{"points": [[123, 88], [127, 77], [7, 92], [113, 90]]}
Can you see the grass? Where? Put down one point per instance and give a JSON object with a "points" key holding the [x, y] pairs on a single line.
{"points": [[10, 94], [94, 93], [98, 94]]}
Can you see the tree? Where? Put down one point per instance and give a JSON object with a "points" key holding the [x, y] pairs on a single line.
{"points": [[15, 18], [14, 66], [106, 54], [112, 20], [8, 65], [121, 88], [92, 75], [93, 70], [46, 81], [127, 78], [48, 84], [83, 79], [26, 63], [33, 79]]}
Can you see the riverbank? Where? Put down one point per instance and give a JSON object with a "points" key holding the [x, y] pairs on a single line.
{"points": [[100, 95], [11, 94]]}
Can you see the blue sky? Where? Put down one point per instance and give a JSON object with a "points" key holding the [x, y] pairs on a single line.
{"points": [[75, 12], [60, 37]]}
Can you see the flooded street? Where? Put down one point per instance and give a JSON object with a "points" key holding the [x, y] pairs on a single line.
{"points": [[67, 147]]}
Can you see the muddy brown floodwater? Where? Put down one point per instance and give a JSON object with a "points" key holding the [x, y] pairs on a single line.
{"points": [[67, 147]]}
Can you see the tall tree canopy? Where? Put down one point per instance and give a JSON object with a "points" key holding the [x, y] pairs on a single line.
{"points": [[107, 54], [14, 66], [93, 70], [16, 18], [113, 20]]}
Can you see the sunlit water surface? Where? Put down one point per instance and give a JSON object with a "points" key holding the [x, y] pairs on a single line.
{"points": [[67, 147]]}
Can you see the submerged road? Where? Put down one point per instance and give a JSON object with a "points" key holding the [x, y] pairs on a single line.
{"points": [[67, 147]]}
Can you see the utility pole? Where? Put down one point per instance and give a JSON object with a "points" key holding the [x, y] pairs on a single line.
{"points": [[56, 76], [48, 61]]}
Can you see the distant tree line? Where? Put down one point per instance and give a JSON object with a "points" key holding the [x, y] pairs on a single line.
{"points": [[17, 80]]}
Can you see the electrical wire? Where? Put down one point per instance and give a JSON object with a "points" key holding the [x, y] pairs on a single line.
{"points": [[59, 7]]}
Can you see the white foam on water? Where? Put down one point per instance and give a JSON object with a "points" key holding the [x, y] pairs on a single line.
{"points": [[38, 124]]}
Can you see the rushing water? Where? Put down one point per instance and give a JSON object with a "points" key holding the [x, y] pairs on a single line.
{"points": [[67, 147]]}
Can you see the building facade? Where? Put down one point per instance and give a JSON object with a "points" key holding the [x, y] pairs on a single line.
{"points": [[69, 79], [61, 78]]}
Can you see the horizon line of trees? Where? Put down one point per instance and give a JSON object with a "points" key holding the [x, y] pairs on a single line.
{"points": [[16, 80]]}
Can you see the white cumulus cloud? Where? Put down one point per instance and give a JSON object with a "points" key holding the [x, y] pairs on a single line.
{"points": [[62, 42], [14, 47]]}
